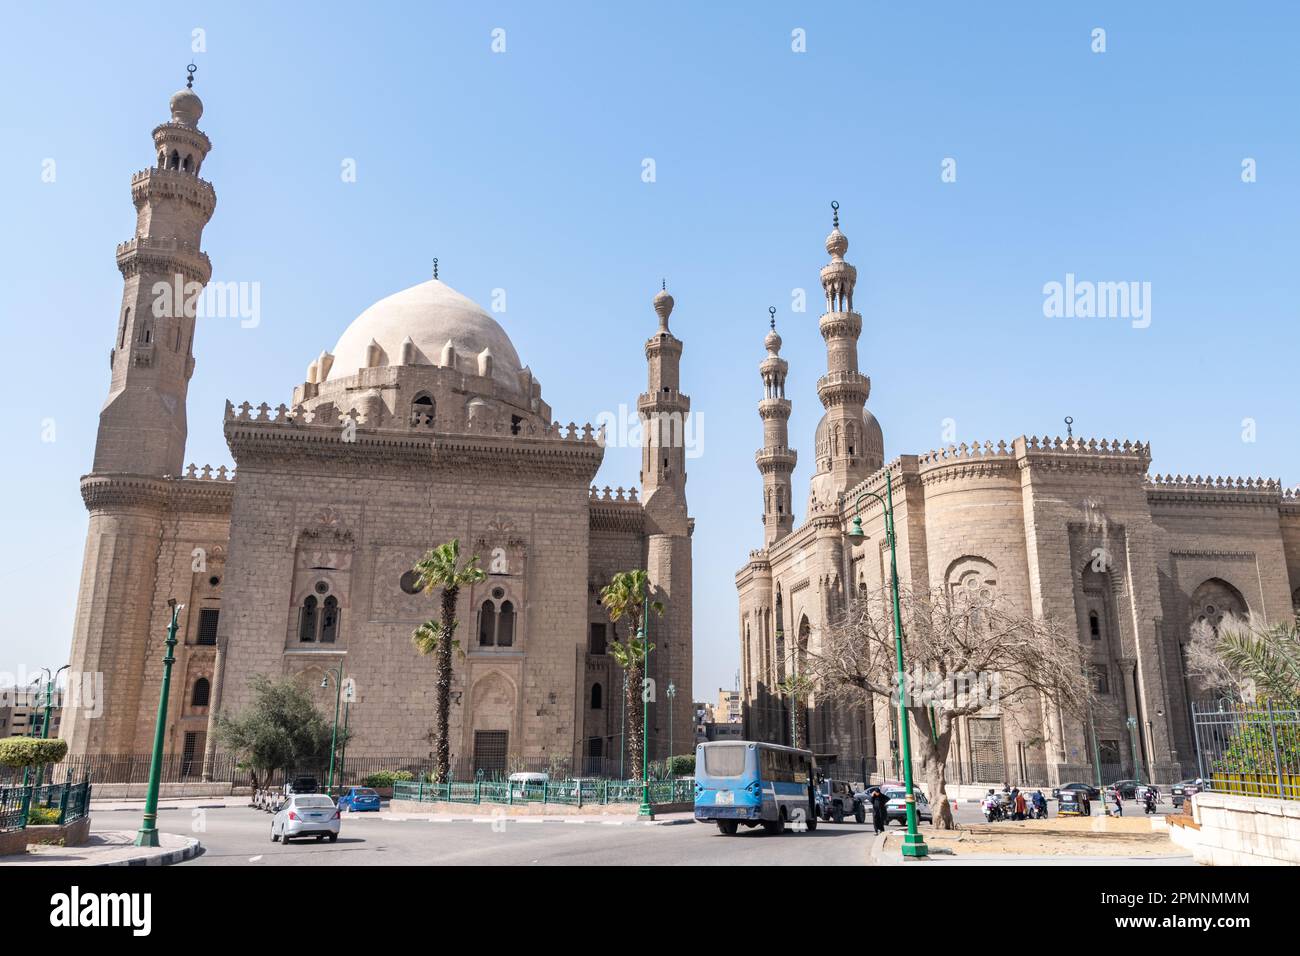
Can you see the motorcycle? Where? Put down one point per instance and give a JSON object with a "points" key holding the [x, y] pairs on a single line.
{"points": [[993, 812]]}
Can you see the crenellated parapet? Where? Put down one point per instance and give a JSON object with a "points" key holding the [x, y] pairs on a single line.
{"points": [[153, 184], [167, 494], [1210, 490], [282, 432], [1077, 454], [150, 256]]}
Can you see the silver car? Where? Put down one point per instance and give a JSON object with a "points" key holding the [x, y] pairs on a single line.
{"points": [[306, 814]]}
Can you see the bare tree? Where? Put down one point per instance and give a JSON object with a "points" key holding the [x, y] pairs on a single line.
{"points": [[964, 656], [1246, 658]]}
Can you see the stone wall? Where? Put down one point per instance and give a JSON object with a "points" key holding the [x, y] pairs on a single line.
{"points": [[1246, 831]]}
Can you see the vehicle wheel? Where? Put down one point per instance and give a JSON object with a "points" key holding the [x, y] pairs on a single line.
{"points": [[333, 837], [728, 827], [837, 814], [774, 827], [284, 840], [860, 814], [274, 838], [320, 838]]}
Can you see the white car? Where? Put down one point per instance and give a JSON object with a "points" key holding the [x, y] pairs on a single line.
{"points": [[896, 808], [306, 814]]}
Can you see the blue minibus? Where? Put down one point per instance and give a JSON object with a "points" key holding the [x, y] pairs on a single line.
{"points": [[742, 783]]}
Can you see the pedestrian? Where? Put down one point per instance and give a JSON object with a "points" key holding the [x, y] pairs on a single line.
{"points": [[1020, 805], [878, 803], [1087, 803], [1119, 804]]}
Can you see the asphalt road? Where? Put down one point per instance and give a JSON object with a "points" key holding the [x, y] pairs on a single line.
{"points": [[239, 836]]}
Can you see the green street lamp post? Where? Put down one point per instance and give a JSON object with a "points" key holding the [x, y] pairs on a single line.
{"points": [[1132, 724], [672, 693], [645, 810], [147, 835], [334, 734], [913, 844], [1096, 762], [50, 681], [622, 735]]}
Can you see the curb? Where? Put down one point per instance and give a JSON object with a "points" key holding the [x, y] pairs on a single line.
{"points": [[599, 821], [191, 849]]}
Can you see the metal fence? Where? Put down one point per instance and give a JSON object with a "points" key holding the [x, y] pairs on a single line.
{"points": [[1250, 750], [576, 793], [51, 803]]}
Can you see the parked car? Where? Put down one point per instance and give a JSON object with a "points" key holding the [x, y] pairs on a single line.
{"points": [[836, 800], [306, 814], [1092, 792], [358, 799], [896, 808]]}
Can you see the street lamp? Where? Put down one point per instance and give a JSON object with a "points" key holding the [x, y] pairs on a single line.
{"points": [[914, 844], [45, 721], [334, 736], [672, 693], [147, 835], [645, 809], [1132, 724]]}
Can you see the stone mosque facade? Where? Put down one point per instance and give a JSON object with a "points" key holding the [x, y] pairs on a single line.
{"points": [[421, 425], [1025, 519]]}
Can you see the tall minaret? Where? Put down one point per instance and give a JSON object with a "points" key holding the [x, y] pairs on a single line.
{"points": [[843, 390], [142, 424], [120, 608], [776, 459], [663, 409], [664, 412]]}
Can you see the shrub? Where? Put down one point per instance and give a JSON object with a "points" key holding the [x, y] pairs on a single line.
{"points": [[386, 778], [683, 765], [42, 816], [31, 751]]}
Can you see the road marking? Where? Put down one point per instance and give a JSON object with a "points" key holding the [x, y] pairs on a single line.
{"points": [[254, 859]]}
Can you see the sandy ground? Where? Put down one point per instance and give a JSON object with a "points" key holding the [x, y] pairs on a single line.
{"points": [[1071, 836]]}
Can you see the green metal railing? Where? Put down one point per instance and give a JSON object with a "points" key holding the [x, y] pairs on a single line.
{"points": [[575, 793], [69, 801]]}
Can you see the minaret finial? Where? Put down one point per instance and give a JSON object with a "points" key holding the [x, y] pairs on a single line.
{"points": [[189, 80], [771, 311], [835, 214], [435, 268], [663, 285], [1069, 426]]}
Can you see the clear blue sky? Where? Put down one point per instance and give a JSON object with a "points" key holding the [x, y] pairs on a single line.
{"points": [[522, 171]]}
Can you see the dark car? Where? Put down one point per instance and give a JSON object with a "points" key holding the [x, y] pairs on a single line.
{"points": [[302, 785], [1180, 791], [1092, 792], [1127, 788], [836, 800]]}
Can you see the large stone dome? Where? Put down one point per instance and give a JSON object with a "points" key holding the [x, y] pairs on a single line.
{"points": [[430, 314], [873, 450]]}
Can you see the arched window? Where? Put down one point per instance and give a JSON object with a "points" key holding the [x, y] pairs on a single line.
{"points": [[146, 334], [186, 164], [176, 160], [1213, 600], [1094, 626], [126, 319], [422, 410], [329, 622], [307, 620], [596, 692], [487, 624], [162, 160], [202, 691], [506, 625]]}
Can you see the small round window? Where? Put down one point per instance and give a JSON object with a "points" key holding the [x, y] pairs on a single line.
{"points": [[498, 593], [214, 581], [410, 583], [322, 587]]}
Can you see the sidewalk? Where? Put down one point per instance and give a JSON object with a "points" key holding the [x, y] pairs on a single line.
{"points": [[1104, 843], [109, 848], [193, 803]]}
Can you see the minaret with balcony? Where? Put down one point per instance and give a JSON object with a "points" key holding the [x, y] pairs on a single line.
{"points": [[776, 459]]}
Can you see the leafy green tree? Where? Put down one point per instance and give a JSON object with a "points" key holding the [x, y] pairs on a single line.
{"points": [[626, 598], [280, 729], [441, 570]]}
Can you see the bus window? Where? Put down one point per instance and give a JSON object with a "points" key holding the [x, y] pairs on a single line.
{"points": [[727, 760]]}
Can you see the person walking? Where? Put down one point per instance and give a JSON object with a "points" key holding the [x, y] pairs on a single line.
{"points": [[878, 803], [1020, 805], [1119, 804]]}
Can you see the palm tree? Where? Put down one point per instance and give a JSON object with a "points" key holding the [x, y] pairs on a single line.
{"points": [[1267, 655], [626, 596], [441, 569]]}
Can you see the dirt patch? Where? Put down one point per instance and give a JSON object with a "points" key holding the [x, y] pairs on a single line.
{"points": [[1079, 836]]}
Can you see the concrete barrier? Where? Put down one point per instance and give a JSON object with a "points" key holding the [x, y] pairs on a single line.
{"points": [[1234, 830]]}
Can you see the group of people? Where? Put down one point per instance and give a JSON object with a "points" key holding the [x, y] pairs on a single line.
{"points": [[1018, 805]]}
